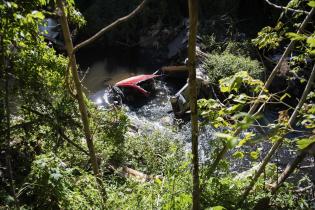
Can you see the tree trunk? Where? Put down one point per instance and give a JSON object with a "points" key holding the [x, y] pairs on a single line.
{"points": [[292, 165], [78, 87], [193, 21]]}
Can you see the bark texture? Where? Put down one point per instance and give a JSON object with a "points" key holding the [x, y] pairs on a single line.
{"points": [[79, 93], [193, 23]]}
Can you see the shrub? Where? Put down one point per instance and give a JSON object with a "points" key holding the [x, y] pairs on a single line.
{"points": [[53, 185], [154, 153], [226, 64]]}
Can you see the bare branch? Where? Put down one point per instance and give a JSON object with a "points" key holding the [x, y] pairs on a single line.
{"points": [[110, 26], [286, 8], [85, 73]]}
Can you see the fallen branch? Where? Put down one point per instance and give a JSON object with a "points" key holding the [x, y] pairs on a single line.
{"points": [[111, 26], [286, 8], [127, 172], [174, 68], [292, 165]]}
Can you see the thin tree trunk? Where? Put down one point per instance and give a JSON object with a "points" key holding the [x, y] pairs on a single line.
{"points": [[193, 22], [292, 165], [266, 86], [78, 87], [278, 143]]}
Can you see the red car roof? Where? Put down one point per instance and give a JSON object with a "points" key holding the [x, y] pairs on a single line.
{"points": [[136, 79], [133, 81]]}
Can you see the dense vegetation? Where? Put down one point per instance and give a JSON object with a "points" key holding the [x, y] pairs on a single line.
{"points": [[45, 162]]}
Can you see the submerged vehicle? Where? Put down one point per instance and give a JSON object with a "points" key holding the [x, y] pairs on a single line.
{"points": [[132, 89]]}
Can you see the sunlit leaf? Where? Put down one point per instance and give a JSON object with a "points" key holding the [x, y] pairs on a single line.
{"points": [[284, 96], [38, 15], [217, 208], [311, 41], [311, 3], [230, 140], [254, 155], [295, 36], [303, 143], [238, 154]]}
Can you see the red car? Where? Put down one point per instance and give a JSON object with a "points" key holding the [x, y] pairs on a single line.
{"points": [[137, 86]]}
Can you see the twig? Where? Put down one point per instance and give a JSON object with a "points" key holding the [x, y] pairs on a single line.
{"points": [[85, 73], [304, 189], [110, 26], [286, 8]]}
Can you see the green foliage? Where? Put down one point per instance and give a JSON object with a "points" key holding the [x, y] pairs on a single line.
{"points": [[110, 127], [154, 153], [50, 170], [311, 3], [234, 82], [226, 64], [269, 37], [229, 191], [304, 143], [51, 184]]}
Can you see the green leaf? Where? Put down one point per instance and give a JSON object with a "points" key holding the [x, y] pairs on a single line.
{"points": [[38, 15], [254, 155], [295, 36], [248, 136], [234, 82], [284, 96], [234, 108], [311, 3], [217, 208], [311, 41], [230, 140], [303, 143], [238, 154]]}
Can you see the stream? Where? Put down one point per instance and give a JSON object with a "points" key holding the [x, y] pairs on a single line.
{"points": [[154, 114], [106, 67]]}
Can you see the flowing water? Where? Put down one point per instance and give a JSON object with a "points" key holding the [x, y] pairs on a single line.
{"points": [[155, 114]]}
